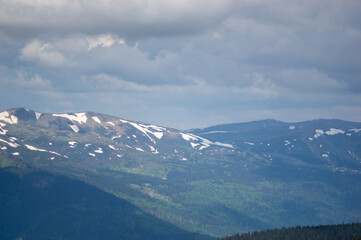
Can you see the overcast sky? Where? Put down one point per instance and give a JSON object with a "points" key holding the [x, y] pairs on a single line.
{"points": [[183, 63]]}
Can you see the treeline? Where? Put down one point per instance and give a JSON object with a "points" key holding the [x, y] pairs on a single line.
{"points": [[351, 231]]}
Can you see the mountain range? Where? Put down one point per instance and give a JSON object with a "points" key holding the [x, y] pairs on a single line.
{"points": [[216, 181]]}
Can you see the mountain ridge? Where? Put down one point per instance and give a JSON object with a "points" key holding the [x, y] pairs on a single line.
{"points": [[216, 183], [267, 120]]}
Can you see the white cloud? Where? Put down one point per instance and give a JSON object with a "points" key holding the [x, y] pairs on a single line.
{"points": [[105, 40], [44, 53]]}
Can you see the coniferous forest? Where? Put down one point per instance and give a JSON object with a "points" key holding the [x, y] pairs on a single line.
{"points": [[323, 232]]}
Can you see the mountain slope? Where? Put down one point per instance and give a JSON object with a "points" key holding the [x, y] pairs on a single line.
{"points": [[219, 180], [39, 205]]}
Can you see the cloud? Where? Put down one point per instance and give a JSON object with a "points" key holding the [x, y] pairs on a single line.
{"points": [[309, 79], [215, 60], [23, 80], [104, 82], [127, 18], [44, 53], [105, 40], [261, 88]]}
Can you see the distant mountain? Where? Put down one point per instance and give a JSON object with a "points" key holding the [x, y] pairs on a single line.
{"points": [[217, 181], [328, 143], [39, 205]]}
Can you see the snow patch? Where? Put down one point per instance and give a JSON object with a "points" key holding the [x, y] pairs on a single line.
{"points": [[224, 145], [6, 117], [32, 148], [334, 131], [139, 149], [14, 145], [97, 119], [202, 142], [87, 145], [203, 147], [72, 144], [78, 117], [92, 154], [16, 154], [188, 137], [184, 159], [114, 137], [194, 144], [287, 142], [3, 148], [111, 123], [319, 133], [348, 134], [99, 150], [325, 155], [55, 153], [158, 135], [37, 115], [311, 139], [119, 156], [147, 129], [75, 128], [250, 143], [112, 147], [291, 127], [154, 151]]}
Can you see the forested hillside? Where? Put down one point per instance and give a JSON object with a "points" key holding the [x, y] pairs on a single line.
{"points": [[39, 205], [322, 232]]}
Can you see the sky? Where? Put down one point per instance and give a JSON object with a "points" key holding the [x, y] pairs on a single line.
{"points": [[183, 63]]}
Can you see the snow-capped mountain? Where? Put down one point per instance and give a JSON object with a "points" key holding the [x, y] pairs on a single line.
{"points": [[218, 180], [96, 139]]}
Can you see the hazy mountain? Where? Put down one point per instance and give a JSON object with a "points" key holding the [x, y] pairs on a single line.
{"points": [[218, 180], [327, 143]]}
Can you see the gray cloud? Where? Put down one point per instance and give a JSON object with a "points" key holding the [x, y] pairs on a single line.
{"points": [[183, 63], [127, 18]]}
